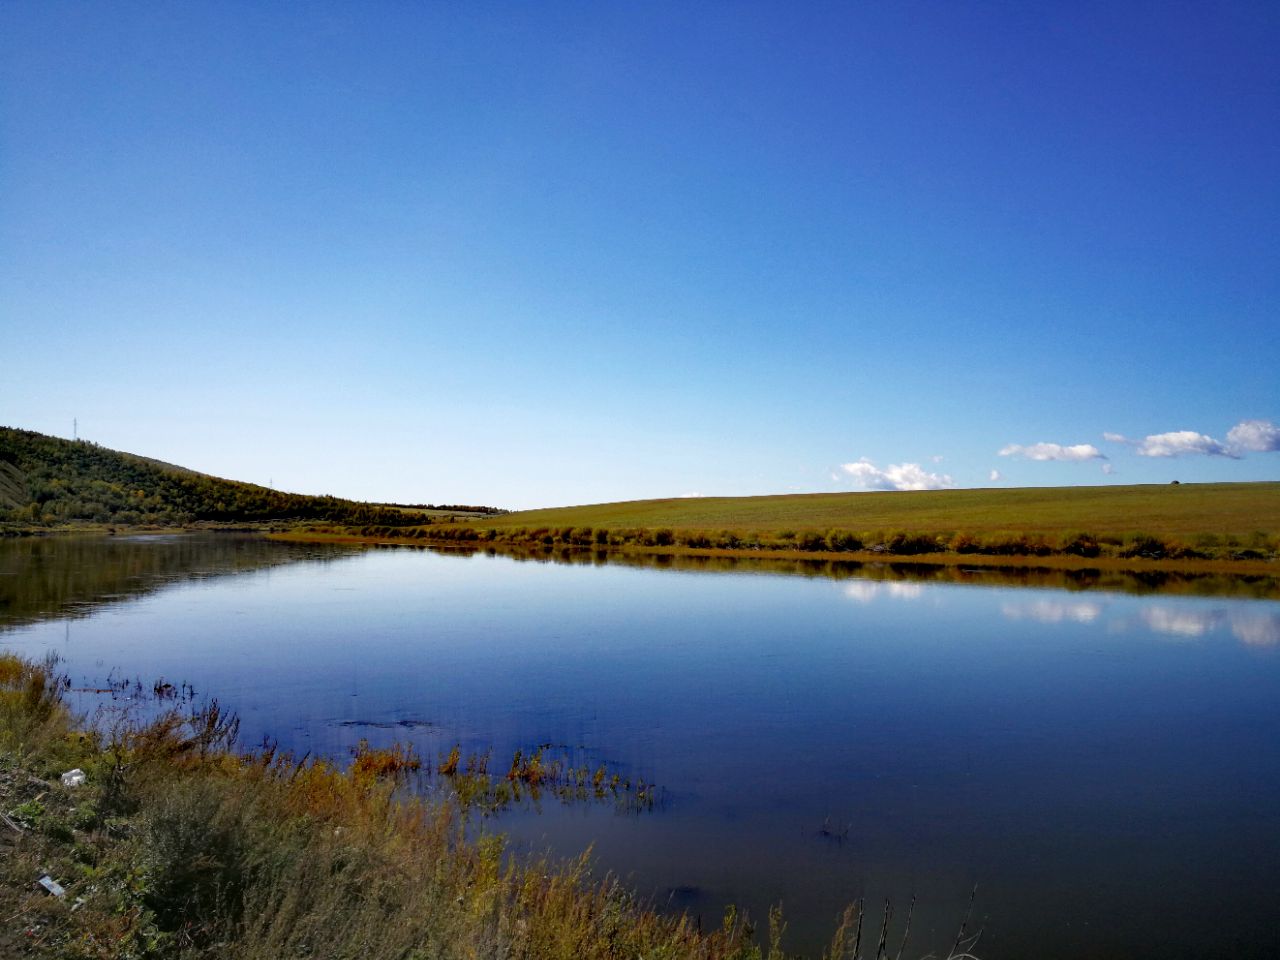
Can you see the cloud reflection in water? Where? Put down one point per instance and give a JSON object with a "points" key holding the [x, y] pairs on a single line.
{"points": [[1255, 628], [1053, 611], [864, 591]]}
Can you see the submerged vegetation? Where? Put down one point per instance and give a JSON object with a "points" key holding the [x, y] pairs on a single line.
{"points": [[175, 844]]}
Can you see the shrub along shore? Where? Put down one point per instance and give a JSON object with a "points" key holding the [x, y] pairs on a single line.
{"points": [[1212, 526], [1249, 554], [177, 845]]}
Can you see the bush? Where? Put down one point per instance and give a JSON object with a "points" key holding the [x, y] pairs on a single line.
{"points": [[842, 540], [1144, 545], [193, 859], [1082, 545], [909, 544], [811, 540], [1017, 545]]}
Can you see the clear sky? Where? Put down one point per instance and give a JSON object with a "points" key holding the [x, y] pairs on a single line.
{"points": [[538, 254]]}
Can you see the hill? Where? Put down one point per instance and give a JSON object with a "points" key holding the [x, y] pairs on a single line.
{"points": [[1187, 523], [1175, 510], [47, 480]]}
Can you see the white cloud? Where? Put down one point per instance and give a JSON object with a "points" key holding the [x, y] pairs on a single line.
{"points": [[1260, 436], [1108, 469], [692, 495], [1115, 438], [1053, 451], [937, 458], [1179, 443], [996, 476], [896, 476]]}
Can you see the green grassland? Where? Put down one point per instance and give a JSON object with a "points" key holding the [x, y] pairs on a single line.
{"points": [[1183, 511], [1204, 526]]}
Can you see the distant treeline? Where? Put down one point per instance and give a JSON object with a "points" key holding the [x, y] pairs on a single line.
{"points": [[47, 480], [899, 543], [451, 508]]}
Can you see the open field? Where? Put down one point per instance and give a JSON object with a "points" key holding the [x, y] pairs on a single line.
{"points": [[1206, 527], [1183, 511]]}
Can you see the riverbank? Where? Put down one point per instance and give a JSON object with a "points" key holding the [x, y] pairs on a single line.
{"points": [[1197, 528], [473, 537], [178, 845]]}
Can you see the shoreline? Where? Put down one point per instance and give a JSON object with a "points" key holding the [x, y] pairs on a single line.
{"points": [[417, 536], [1139, 565]]}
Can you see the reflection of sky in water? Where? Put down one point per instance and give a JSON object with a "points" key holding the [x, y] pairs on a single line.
{"points": [[1173, 617], [1053, 611], [864, 591], [1257, 631]]}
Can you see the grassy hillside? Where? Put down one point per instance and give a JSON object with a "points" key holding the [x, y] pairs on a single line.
{"points": [[1196, 524], [1182, 510], [46, 480]]}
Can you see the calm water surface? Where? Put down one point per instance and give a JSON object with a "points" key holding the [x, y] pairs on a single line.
{"points": [[1102, 765]]}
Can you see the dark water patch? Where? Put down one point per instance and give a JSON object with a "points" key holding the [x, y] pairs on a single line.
{"points": [[386, 725]]}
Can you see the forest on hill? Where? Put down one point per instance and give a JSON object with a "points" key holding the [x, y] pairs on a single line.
{"points": [[47, 481]]}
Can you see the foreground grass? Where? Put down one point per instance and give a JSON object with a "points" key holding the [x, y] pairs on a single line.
{"points": [[178, 846]]}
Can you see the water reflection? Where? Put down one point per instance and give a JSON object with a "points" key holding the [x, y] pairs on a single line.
{"points": [[1257, 629], [57, 576], [1052, 611], [865, 592], [1095, 779], [1163, 582], [1177, 618], [1182, 624]]}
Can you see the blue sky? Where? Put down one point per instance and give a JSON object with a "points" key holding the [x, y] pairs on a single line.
{"points": [[542, 254]]}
